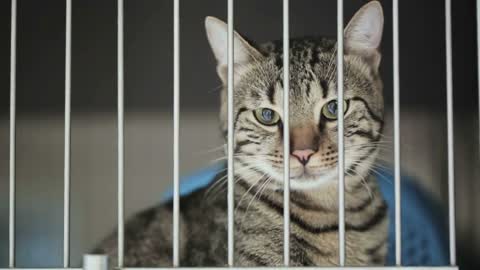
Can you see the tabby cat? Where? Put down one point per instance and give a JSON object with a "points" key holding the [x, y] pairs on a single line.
{"points": [[259, 162]]}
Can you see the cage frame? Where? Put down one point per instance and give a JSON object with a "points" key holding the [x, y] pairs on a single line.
{"points": [[98, 262]]}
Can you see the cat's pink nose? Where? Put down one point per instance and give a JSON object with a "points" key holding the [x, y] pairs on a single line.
{"points": [[303, 155]]}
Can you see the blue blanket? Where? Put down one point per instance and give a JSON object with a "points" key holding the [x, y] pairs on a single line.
{"points": [[424, 231]]}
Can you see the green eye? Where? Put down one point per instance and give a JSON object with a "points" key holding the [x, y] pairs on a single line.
{"points": [[329, 110], [266, 116]]}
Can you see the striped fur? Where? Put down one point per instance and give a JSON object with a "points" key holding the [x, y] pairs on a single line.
{"points": [[259, 161]]}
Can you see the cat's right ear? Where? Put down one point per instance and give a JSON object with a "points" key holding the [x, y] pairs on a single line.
{"points": [[363, 33], [244, 53]]}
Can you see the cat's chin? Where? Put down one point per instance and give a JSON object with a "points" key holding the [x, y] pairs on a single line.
{"points": [[312, 181]]}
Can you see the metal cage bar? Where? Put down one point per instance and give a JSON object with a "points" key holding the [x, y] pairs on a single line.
{"points": [[230, 141], [120, 135], [298, 268], [67, 140], [451, 172], [396, 131], [286, 133], [13, 90], [176, 132], [340, 134], [264, 268]]}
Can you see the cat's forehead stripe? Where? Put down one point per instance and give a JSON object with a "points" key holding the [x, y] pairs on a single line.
{"points": [[324, 85], [271, 94], [309, 62]]}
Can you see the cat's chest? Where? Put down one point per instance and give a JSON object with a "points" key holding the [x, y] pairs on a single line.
{"points": [[322, 249], [264, 236]]}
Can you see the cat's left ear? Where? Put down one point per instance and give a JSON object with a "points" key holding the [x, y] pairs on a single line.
{"points": [[244, 53], [363, 33]]}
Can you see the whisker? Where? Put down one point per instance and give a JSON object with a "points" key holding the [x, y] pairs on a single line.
{"points": [[248, 190], [214, 150], [254, 196], [221, 181], [216, 89], [364, 183]]}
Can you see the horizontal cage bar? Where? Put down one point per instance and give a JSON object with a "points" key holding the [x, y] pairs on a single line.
{"points": [[254, 268]]}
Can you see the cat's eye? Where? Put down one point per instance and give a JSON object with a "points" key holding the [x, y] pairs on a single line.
{"points": [[329, 110], [266, 116]]}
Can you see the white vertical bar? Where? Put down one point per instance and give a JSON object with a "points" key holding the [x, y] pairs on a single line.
{"points": [[230, 44], [121, 121], [286, 132], [396, 130], [66, 185], [341, 156], [451, 172], [13, 88], [176, 132]]}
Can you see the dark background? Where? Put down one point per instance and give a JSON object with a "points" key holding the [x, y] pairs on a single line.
{"points": [[148, 50], [149, 77]]}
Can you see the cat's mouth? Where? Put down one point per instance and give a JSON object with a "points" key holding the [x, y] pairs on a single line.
{"points": [[307, 176], [304, 178], [310, 172]]}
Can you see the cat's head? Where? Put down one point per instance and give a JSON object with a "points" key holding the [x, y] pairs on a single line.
{"points": [[258, 99]]}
